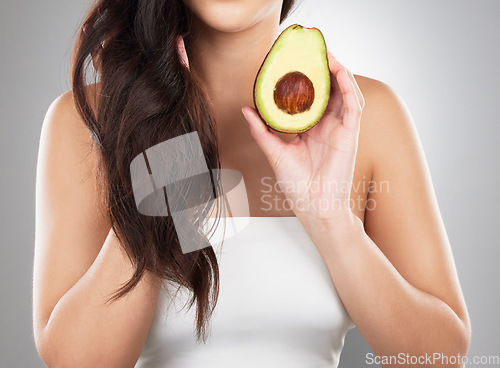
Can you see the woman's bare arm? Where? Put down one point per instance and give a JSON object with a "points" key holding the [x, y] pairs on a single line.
{"points": [[78, 262], [396, 276]]}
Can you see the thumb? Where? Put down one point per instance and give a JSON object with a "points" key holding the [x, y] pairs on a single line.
{"points": [[268, 142]]}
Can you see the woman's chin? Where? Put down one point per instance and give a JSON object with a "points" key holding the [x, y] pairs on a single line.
{"points": [[232, 16], [229, 24]]}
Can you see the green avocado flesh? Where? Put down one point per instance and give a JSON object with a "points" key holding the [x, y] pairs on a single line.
{"points": [[292, 88]]}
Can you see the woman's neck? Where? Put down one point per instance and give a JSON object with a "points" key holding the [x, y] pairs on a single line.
{"points": [[227, 63]]}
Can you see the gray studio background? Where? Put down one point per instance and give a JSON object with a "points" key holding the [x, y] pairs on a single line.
{"points": [[441, 56]]}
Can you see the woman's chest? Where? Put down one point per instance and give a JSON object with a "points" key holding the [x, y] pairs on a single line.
{"points": [[265, 196], [276, 300]]}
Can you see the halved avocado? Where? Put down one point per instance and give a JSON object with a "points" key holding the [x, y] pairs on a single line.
{"points": [[292, 88]]}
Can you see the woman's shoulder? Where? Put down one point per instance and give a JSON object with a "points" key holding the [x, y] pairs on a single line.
{"points": [[62, 116], [386, 123], [378, 95], [64, 105], [384, 108], [65, 140]]}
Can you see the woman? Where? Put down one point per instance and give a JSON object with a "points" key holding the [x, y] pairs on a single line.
{"points": [[300, 275]]}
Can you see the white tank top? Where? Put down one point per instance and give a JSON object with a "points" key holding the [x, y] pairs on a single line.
{"points": [[277, 305]]}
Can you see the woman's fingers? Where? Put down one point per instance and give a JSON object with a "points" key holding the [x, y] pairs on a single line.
{"points": [[335, 104], [268, 142], [352, 107], [335, 66], [361, 98], [352, 98], [181, 49]]}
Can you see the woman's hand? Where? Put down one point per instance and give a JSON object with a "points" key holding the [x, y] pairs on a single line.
{"points": [[315, 170]]}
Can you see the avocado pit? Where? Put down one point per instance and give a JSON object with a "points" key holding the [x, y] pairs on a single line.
{"points": [[294, 93]]}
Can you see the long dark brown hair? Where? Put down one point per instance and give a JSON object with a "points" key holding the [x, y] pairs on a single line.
{"points": [[146, 95]]}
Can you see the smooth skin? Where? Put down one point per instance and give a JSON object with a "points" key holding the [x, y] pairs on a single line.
{"points": [[392, 265]]}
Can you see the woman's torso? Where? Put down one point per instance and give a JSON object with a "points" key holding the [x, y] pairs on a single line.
{"points": [[277, 305]]}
